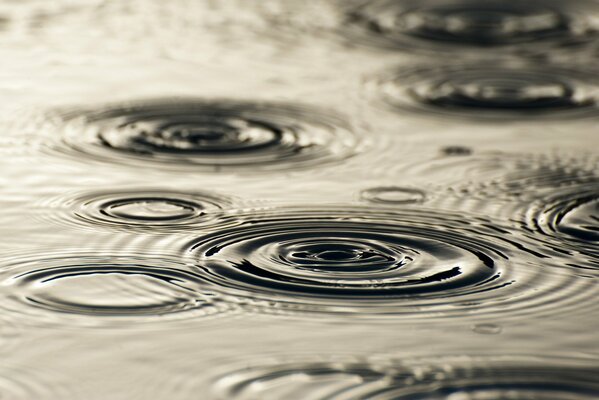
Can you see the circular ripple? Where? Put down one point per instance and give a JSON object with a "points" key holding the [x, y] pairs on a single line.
{"points": [[570, 217], [214, 135], [491, 91], [441, 379], [99, 290], [151, 210], [441, 25], [363, 261], [393, 195]]}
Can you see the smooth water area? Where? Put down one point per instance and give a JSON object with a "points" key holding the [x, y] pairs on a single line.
{"points": [[299, 200]]}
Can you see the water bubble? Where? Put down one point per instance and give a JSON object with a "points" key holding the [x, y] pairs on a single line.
{"points": [[498, 90], [209, 135], [439, 25], [487, 329], [367, 262], [393, 195]]}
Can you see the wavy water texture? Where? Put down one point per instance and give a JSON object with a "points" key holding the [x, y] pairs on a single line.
{"points": [[444, 378], [204, 135], [366, 262], [499, 90], [93, 290], [472, 25]]}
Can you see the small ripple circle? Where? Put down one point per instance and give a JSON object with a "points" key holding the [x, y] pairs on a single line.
{"points": [[152, 210]]}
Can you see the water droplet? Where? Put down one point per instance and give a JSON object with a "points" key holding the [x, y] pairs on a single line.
{"points": [[487, 329], [393, 195]]}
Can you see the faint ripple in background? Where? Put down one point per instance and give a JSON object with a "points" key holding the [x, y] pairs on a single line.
{"points": [[537, 26], [501, 91]]}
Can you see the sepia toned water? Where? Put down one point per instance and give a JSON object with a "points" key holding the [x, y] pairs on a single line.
{"points": [[276, 199]]}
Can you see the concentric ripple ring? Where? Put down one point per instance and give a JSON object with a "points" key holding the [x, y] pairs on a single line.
{"points": [[194, 134], [365, 261], [103, 290], [151, 210]]}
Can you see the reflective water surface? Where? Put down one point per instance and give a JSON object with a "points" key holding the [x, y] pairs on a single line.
{"points": [[361, 199]]}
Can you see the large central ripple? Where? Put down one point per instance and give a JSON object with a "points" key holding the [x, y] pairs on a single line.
{"points": [[214, 135], [368, 261]]}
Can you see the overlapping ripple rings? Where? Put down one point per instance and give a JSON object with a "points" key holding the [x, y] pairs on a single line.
{"points": [[445, 378], [96, 290], [210, 135], [502, 90], [370, 262], [152, 210], [441, 25]]}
